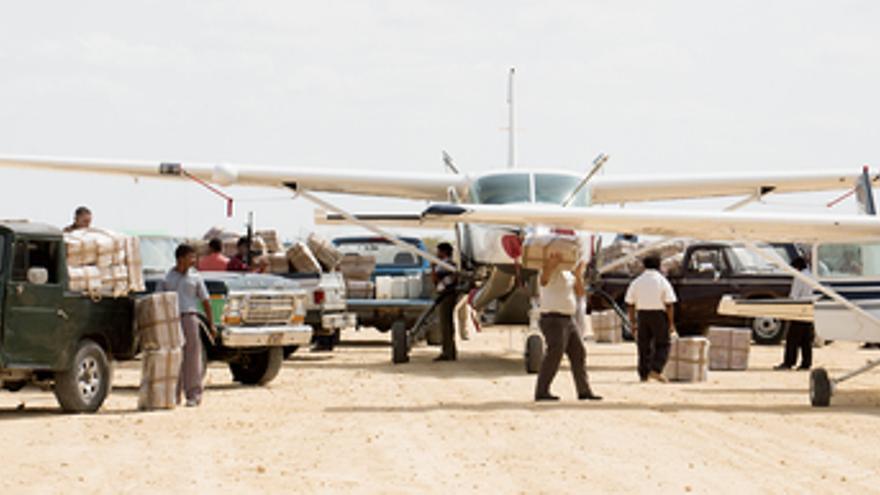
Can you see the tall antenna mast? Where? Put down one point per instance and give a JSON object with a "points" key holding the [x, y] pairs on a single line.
{"points": [[511, 136]]}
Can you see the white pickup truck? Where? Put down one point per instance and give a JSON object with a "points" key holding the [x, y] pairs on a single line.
{"points": [[326, 309]]}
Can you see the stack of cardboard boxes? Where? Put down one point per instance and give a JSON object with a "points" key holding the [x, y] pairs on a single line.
{"points": [[158, 323]]}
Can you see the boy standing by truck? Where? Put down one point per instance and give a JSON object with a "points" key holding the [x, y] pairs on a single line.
{"points": [[191, 292]]}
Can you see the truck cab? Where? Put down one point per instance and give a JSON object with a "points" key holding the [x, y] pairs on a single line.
{"points": [[49, 334]]}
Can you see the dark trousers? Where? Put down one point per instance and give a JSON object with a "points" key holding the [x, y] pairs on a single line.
{"points": [[800, 336], [561, 337], [653, 341], [445, 309]]}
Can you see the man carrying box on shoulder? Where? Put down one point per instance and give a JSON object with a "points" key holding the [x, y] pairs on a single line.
{"points": [[650, 298], [558, 291]]}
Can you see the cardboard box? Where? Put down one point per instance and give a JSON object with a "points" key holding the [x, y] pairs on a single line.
{"points": [[158, 321], [326, 253], [729, 348], [688, 360], [537, 248], [271, 239], [302, 259], [607, 326], [357, 266], [359, 289], [160, 372]]}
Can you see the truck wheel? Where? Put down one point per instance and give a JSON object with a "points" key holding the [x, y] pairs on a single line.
{"points": [[768, 331], [258, 368], [399, 344], [820, 388], [534, 353], [84, 387]]}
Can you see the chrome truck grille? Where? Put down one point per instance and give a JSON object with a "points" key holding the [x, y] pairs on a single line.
{"points": [[263, 309]]}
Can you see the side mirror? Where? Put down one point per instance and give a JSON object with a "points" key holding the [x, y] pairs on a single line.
{"points": [[37, 275]]}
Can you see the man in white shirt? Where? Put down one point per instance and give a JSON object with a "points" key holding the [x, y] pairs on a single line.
{"points": [[800, 333], [650, 299], [558, 292]]}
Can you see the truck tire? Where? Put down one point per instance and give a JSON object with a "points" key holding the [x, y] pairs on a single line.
{"points": [[534, 353], [768, 331], [257, 368], [84, 387]]}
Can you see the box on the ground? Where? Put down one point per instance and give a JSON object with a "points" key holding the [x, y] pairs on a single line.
{"points": [[302, 259], [607, 326], [158, 321], [537, 248], [324, 250], [688, 359], [359, 289], [357, 266], [160, 372], [729, 348]]}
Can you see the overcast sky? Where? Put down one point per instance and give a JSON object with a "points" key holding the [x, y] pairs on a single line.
{"points": [[661, 86]]}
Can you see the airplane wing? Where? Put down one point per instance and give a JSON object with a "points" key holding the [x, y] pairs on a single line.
{"points": [[420, 186], [391, 219], [609, 190], [710, 225]]}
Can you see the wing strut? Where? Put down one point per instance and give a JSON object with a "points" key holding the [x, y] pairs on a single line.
{"points": [[376, 230]]}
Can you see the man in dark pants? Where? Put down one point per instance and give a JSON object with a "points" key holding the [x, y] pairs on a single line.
{"points": [[800, 333], [445, 282], [650, 299], [558, 291]]}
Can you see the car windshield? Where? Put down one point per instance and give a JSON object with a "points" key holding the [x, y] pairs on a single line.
{"points": [[745, 261], [555, 188], [502, 189], [848, 260], [386, 254], [157, 253]]}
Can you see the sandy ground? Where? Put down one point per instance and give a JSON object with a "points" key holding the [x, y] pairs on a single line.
{"points": [[350, 422]]}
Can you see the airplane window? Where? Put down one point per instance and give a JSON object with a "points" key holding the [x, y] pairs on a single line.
{"points": [[555, 188], [849, 260], [502, 189]]}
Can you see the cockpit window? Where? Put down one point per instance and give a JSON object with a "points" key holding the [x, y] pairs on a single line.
{"points": [[502, 189], [555, 188]]}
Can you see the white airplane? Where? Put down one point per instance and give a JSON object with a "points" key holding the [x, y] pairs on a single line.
{"points": [[498, 204], [480, 245]]}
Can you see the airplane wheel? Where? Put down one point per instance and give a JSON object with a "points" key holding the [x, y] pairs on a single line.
{"points": [[820, 388], [534, 353], [399, 344]]}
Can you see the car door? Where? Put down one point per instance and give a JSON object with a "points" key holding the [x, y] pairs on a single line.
{"points": [[705, 281], [33, 333]]}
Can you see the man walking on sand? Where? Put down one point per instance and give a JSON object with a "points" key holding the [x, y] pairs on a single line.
{"points": [[558, 292], [191, 293], [650, 299]]}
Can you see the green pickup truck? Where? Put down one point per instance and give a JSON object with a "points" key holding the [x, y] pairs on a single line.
{"points": [[64, 340]]}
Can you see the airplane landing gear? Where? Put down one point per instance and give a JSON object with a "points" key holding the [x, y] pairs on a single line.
{"points": [[822, 386]]}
